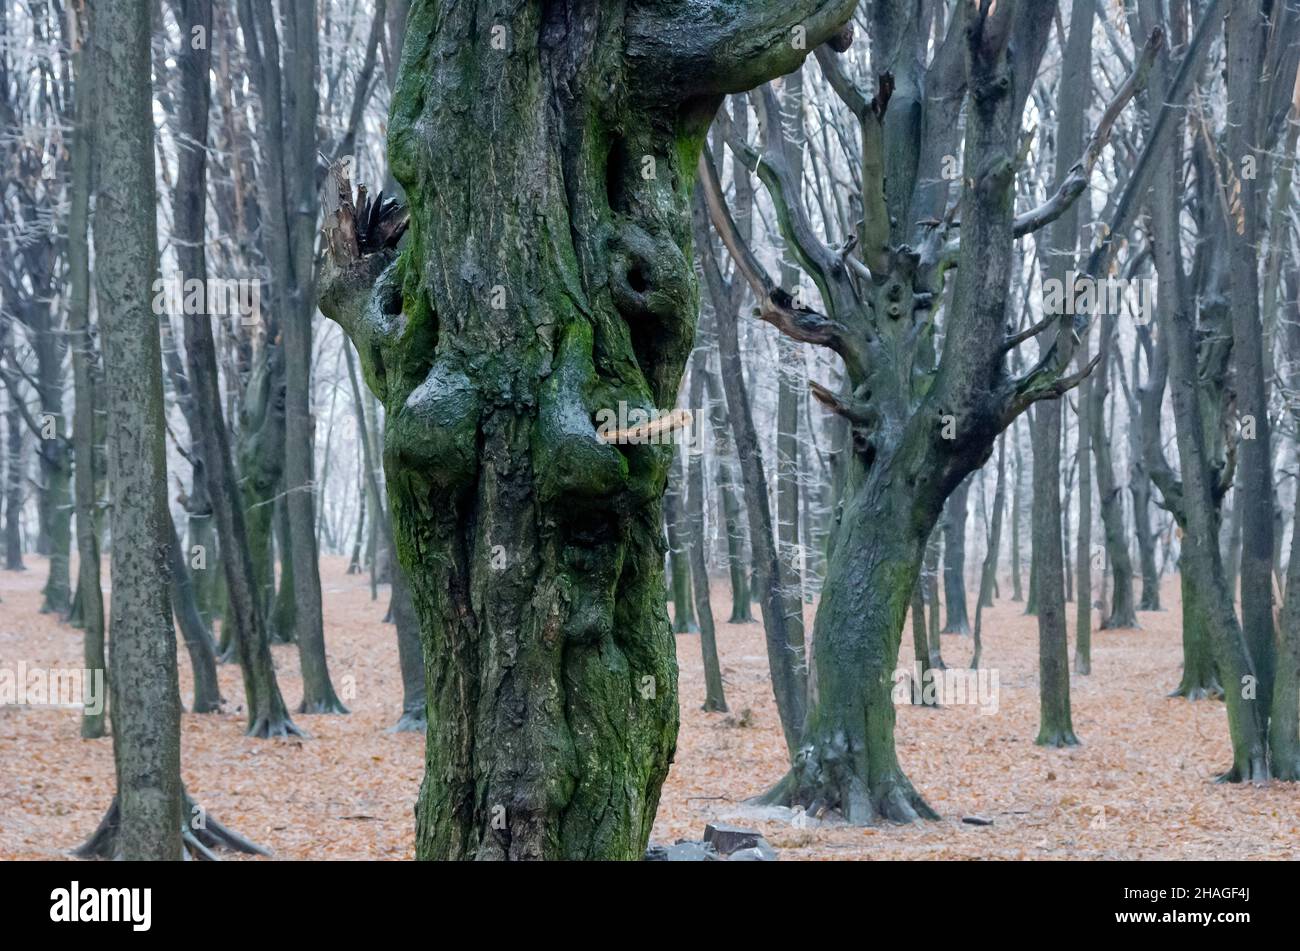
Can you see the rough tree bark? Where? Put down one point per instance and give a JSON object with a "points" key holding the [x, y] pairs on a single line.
{"points": [[146, 708], [521, 304]]}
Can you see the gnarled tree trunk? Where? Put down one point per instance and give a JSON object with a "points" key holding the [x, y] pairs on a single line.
{"points": [[548, 153]]}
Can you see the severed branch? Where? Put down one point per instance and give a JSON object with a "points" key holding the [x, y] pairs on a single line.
{"points": [[649, 431], [360, 290], [1076, 180]]}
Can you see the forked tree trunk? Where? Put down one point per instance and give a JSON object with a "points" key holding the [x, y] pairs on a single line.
{"points": [[528, 299]]}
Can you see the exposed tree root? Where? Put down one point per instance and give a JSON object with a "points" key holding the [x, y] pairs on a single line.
{"points": [[892, 799], [266, 728], [411, 721], [330, 705], [1254, 771], [1057, 738], [200, 835], [1210, 691]]}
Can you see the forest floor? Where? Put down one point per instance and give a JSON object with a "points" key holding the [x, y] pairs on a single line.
{"points": [[1141, 785]]}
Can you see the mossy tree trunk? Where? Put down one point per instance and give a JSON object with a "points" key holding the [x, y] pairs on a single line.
{"points": [[524, 301]]}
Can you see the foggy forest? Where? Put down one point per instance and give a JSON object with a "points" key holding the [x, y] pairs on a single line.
{"points": [[669, 430]]}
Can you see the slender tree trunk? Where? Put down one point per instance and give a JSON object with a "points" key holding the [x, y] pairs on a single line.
{"points": [[282, 624], [90, 593], [790, 361], [198, 640], [414, 691], [930, 580], [785, 649], [715, 698], [297, 292], [1017, 519], [954, 561], [1055, 726], [921, 646], [728, 500], [1140, 491], [988, 575], [679, 566], [1123, 613], [145, 695], [354, 560], [244, 622], [414, 718], [14, 478], [1089, 406]]}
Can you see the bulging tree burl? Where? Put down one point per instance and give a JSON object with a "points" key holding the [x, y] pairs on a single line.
{"points": [[548, 152]]}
